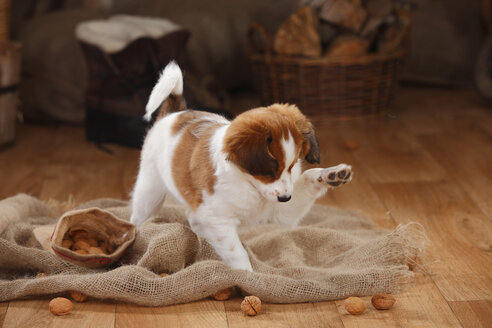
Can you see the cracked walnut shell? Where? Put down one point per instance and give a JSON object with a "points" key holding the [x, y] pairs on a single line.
{"points": [[223, 295], [251, 305], [41, 275], [78, 297]]}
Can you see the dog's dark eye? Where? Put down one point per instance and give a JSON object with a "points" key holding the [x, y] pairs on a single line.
{"points": [[269, 139], [272, 172], [268, 170], [269, 175]]}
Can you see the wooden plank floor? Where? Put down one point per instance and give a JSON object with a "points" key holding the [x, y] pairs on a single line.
{"points": [[429, 162]]}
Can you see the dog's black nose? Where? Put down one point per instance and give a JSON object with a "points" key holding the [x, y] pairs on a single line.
{"points": [[283, 198]]}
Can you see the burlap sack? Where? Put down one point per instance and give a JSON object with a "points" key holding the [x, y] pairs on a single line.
{"points": [[108, 227], [331, 255]]}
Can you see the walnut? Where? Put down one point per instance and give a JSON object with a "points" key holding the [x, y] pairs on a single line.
{"points": [[383, 301], [164, 274], [223, 295], [111, 248], [251, 305], [78, 297], [67, 243], [78, 234], [41, 275], [351, 144], [93, 242], [81, 244], [81, 251], [60, 306], [354, 305], [95, 250]]}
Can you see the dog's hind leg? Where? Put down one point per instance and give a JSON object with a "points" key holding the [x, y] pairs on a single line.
{"points": [[148, 195]]}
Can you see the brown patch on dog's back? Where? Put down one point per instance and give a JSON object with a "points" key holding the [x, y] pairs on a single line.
{"points": [[192, 167], [188, 117], [183, 120]]}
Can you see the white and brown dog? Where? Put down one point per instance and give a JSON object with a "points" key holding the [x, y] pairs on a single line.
{"points": [[227, 173]]}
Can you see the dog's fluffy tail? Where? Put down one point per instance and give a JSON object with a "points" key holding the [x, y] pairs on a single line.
{"points": [[170, 85]]}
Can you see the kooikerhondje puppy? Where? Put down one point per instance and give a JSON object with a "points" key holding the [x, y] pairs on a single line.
{"points": [[227, 173]]}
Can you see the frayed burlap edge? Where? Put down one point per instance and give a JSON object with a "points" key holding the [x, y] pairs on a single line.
{"points": [[335, 278]]}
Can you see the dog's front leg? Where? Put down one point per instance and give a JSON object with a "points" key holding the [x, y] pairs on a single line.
{"points": [[311, 185], [222, 235]]}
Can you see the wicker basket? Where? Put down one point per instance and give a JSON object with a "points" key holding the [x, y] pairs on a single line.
{"points": [[339, 87]]}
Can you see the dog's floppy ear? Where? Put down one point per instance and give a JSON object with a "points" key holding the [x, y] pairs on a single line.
{"points": [[310, 148], [249, 151], [312, 154]]}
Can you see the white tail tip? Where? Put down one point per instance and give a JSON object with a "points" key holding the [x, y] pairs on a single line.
{"points": [[170, 82]]}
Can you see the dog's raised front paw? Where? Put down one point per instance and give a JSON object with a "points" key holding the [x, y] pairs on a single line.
{"points": [[336, 175]]}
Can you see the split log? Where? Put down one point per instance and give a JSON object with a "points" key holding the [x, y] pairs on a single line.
{"points": [[311, 3], [348, 45], [327, 33], [374, 25], [318, 3], [396, 34], [379, 7], [299, 35], [344, 13]]}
